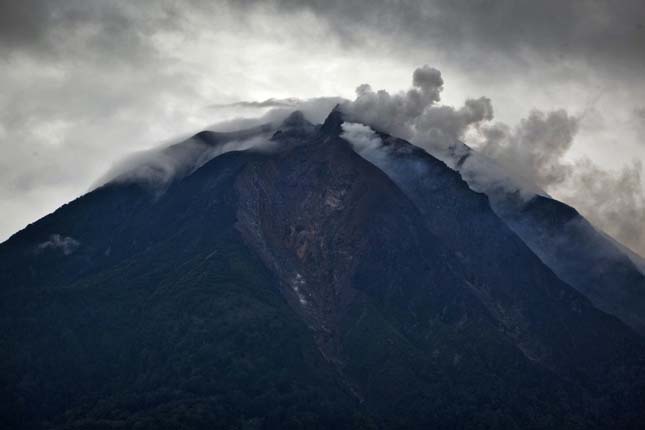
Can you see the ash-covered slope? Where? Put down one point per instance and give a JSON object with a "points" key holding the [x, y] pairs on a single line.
{"points": [[295, 288]]}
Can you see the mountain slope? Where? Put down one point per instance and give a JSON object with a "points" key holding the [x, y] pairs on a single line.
{"points": [[299, 287], [160, 317], [579, 254], [510, 279]]}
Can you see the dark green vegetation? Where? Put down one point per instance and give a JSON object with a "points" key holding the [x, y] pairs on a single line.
{"points": [[300, 288]]}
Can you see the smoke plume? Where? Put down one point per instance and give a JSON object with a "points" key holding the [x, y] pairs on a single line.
{"points": [[614, 201], [414, 114], [530, 157], [534, 149]]}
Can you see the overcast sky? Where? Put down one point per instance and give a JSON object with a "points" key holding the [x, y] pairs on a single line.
{"points": [[83, 82]]}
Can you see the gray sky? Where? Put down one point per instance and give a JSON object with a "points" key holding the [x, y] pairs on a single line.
{"points": [[84, 82]]}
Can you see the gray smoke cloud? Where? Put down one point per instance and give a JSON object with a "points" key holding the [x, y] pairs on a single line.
{"points": [[612, 200], [530, 157], [414, 114], [398, 112], [534, 149]]}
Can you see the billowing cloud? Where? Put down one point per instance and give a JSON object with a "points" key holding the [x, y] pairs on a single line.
{"points": [[414, 114], [612, 200], [530, 157], [535, 148], [397, 112]]}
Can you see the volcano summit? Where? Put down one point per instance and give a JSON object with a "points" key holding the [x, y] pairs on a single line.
{"points": [[316, 276]]}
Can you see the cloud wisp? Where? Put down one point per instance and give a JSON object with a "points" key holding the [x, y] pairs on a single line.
{"points": [[65, 244], [157, 168]]}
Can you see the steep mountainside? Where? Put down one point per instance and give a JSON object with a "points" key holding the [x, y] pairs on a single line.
{"points": [[606, 273], [300, 286], [508, 274], [580, 255]]}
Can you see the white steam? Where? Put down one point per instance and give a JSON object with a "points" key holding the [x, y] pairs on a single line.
{"points": [[362, 138]]}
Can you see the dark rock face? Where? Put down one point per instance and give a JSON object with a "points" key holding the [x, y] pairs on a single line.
{"points": [[301, 287]]}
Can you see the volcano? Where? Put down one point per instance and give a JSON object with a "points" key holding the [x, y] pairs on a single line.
{"points": [[304, 283]]}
